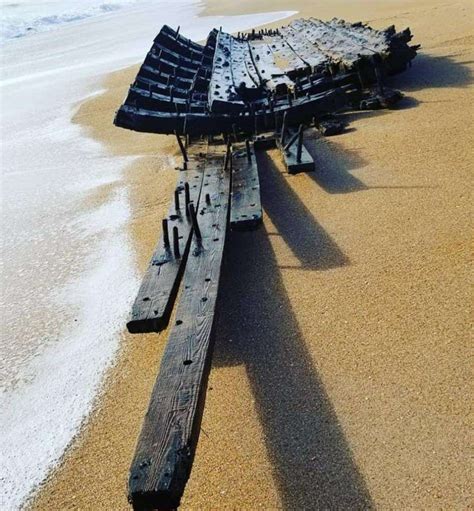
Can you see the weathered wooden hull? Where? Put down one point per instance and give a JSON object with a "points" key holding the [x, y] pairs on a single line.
{"points": [[149, 121], [245, 83]]}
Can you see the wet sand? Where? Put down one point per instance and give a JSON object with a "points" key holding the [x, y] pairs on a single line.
{"points": [[341, 375]]}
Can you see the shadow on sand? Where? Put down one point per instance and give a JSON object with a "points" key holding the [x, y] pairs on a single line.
{"points": [[312, 460], [333, 172], [313, 464], [430, 71]]}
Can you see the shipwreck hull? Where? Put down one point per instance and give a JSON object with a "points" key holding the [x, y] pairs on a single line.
{"points": [[247, 83], [158, 121], [233, 98]]}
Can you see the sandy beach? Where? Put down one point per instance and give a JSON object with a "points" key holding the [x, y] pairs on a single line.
{"points": [[341, 374]]}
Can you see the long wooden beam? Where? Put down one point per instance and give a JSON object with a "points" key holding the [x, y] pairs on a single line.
{"points": [[154, 302], [246, 206], [170, 432]]}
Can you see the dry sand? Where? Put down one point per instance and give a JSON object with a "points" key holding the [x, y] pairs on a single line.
{"points": [[341, 375]]}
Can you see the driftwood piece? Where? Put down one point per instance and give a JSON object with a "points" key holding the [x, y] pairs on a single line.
{"points": [[170, 432], [245, 206], [154, 303]]}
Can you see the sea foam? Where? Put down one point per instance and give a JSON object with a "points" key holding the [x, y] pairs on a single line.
{"points": [[21, 18]]}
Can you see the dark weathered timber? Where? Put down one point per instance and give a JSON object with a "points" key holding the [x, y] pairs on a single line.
{"points": [[302, 109], [154, 303], [222, 92], [295, 161], [285, 57], [245, 204], [170, 432], [265, 141], [306, 51], [308, 68], [271, 75]]}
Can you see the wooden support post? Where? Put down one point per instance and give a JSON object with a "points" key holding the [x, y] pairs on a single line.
{"points": [[228, 154], [360, 76], [187, 199], [183, 149], [249, 154], [166, 235], [176, 251], [283, 129], [176, 202], [300, 144], [192, 213], [290, 142]]}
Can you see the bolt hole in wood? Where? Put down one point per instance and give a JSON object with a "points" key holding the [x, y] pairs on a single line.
{"points": [[187, 362], [204, 299], [146, 299], [179, 322]]}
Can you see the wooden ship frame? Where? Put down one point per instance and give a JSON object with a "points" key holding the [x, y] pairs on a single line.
{"points": [[224, 101]]}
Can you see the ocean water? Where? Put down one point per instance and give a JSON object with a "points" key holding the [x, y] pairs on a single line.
{"points": [[24, 17], [68, 274]]}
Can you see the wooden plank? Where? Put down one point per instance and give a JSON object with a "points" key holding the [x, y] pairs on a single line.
{"points": [[338, 45], [222, 94], [284, 56], [167, 443], [245, 205], [243, 69], [303, 48], [154, 303], [271, 75]]}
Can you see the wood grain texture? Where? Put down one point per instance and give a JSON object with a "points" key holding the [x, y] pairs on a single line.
{"points": [[285, 57], [245, 204], [243, 68], [152, 307], [307, 52], [222, 93], [240, 84], [170, 432], [271, 75]]}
